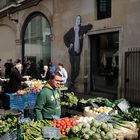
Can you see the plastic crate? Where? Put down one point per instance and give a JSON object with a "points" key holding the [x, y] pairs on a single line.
{"points": [[16, 101], [30, 99]]}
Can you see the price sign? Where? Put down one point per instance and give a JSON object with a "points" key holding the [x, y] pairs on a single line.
{"points": [[123, 105], [94, 105], [112, 112], [10, 135], [51, 132], [25, 120], [103, 117]]}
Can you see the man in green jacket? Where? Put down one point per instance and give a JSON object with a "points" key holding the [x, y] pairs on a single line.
{"points": [[48, 101]]}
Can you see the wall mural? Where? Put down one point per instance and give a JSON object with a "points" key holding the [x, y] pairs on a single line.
{"points": [[73, 40]]}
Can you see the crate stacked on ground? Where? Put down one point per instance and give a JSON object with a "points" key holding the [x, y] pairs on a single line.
{"points": [[19, 102]]}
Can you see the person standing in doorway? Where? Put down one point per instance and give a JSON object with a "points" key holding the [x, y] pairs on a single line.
{"points": [[73, 40]]}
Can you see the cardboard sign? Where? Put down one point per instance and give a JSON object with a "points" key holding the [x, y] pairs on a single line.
{"points": [[112, 112], [123, 105], [10, 135], [51, 132], [25, 120], [103, 117]]}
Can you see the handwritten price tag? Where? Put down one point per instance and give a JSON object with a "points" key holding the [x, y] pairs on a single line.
{"points": [[103, 117], [123, 105]]}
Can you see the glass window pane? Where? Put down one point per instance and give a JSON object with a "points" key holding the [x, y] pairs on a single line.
{"points": [[37, 39]]}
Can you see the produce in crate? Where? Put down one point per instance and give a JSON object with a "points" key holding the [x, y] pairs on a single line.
{"points": [[8, 122], [92, 111], [63, 124], [83, 119], [101, 101], [33, 130], [93, 130], [69, 100], [126, 130]]}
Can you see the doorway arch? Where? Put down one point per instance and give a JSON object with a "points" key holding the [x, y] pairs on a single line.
{"points": [[36, 39]]}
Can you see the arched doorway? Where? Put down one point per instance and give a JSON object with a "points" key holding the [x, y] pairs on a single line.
{"points": [[36, 45]]}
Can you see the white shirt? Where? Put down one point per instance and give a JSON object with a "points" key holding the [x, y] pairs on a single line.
{"points": [[64, 75], [76, 42]]}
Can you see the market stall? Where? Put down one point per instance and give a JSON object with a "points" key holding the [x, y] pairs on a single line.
{"points": [[20, 102], [24, 97], [91, 119]]}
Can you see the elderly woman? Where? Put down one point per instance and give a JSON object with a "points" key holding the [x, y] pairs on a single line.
{"points": [[16, 78]]}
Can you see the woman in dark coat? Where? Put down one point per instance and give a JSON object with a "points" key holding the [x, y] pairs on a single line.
{"points": [[16, 78]]}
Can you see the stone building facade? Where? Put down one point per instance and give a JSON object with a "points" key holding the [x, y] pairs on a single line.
{"points": [[115, 29]]}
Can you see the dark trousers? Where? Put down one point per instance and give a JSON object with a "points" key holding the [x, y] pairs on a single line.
{"points": [[75, 67]]}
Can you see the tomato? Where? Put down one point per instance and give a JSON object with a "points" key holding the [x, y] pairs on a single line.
{"points": [[58, 121], [65, 125], [58, 125], [63, 122], [66, 119], [69, 126]]}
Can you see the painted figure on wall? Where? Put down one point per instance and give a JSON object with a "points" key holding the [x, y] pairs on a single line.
{"points": [[73, 40]]}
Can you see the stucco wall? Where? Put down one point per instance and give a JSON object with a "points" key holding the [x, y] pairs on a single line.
{"points": [[7, 44], [61, 15], [63, 19]]}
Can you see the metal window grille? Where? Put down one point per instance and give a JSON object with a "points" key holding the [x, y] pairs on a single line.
{"points": [[103, 9], [132, 75], [103, 5]]}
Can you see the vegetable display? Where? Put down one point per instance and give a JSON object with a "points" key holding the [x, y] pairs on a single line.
{"points": [[89, 111], [33, 130], [8, 122], [63, 124], [93, 130], [106, 121], [69, 100]]}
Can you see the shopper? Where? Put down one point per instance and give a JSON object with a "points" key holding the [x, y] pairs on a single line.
{"points": [[73, 40], [46, 75], [41, 66], [48, 101], [64, 73], [52, 68], [8, 66], [16, 78]]}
